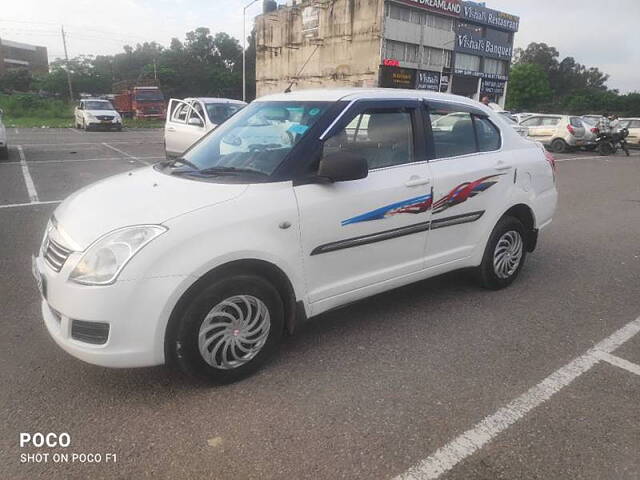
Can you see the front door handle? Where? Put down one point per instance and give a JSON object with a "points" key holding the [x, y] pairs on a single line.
{"points": [[417, 181]]}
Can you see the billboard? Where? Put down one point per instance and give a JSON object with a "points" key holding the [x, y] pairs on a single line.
{"points": [[470, 42], [428, 80], [397, 77], [445, 7], [486, 16]]}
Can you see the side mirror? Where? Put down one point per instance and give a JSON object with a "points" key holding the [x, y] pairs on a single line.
{"points": [[343, 166], [195, 122]]}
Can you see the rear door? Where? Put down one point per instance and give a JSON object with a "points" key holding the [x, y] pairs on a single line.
{"points": [[183, 127], [533, 124], [471, 177]]}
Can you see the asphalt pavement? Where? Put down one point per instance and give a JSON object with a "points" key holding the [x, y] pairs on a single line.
{"points": [[398, 384]]}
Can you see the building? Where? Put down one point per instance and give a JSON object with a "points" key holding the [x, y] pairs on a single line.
{"points": [[22, 55], [441, 45]]}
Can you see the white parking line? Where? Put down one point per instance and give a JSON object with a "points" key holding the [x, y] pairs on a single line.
{"points": [[31, 188], [125, 153], [465, 445], [31, 204], [619, 362]]}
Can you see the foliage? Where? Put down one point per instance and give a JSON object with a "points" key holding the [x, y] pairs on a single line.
{"points": [[16, 79], [572, 87], [528, 87], [27, 105]]}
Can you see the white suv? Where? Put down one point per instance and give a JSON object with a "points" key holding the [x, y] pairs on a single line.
{"points": [[95, 113], [558, 132], [300, 203]]}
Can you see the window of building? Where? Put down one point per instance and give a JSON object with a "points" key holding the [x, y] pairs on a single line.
{"points": [[398, 12], [439, 22], [403, 52], [498, 36], [436, 57], [471, 28], [468, 62], [498, 67], [383, 136], [417, 17], [412, 53]]}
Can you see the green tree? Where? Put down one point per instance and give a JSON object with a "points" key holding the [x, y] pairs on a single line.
{"points": [[16, 79], [528, 87]]}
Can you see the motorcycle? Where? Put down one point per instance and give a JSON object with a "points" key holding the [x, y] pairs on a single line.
{"points": [[607, 143]]}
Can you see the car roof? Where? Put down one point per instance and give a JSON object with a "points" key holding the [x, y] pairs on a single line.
{"points": [[216, 100], [95, 100], [629, 118], [350, 94]]}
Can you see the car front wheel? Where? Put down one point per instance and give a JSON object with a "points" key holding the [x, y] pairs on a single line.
{"points": [[504, 254], [229, 329]]}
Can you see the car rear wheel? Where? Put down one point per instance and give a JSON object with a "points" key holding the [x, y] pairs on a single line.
{"points": [[229, 329], [504, 254], [559, 146]]}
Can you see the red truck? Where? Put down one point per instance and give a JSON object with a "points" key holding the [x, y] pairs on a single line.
{"points": [[139, 101]]}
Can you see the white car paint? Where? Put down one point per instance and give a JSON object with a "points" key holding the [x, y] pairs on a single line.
{"points": [[633, 124], [559, 132], [283, 223], [87, 116], [190, 119]]}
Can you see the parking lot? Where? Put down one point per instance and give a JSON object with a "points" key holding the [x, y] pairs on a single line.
{"points": [[440, 379]]}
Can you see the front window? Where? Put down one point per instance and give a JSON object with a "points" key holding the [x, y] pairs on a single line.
{"points": [[149, 96], [98, 106], [256, 140], [219, 112]]}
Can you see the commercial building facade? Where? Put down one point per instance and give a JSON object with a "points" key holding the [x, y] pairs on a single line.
{"points": [[15, 55], [441, 45]]}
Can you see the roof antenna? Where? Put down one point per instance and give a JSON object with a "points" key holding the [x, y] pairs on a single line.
{"points": [[288, 90]]}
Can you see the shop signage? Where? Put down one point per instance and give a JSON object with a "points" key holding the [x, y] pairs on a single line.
{"points": [[446, 7], [490, 86], [473, 73], [396, 77], [487, 16], [391, 62], [310, 22], [467, 42], [427, 80], [444, 82]]}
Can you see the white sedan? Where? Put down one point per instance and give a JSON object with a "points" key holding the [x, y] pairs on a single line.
{"points": [[97, 113], [190, 119]]}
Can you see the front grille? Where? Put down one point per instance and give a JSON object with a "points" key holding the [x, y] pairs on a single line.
{"points": [[90, 332], [105, 117], [55, 254]]}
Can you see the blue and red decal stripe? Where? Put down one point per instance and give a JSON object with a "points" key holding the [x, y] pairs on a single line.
{"points": [[412, 205], [423, 203]]}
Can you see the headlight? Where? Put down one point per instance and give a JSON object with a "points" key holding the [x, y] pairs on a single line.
{"points": [[107, 256], [90, 116]]}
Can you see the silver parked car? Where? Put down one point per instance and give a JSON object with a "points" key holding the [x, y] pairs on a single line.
{"points": [[557, 132]]}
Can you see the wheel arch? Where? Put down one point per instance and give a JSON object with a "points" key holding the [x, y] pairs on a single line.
{"points": [[293, 310], [524, 213]]}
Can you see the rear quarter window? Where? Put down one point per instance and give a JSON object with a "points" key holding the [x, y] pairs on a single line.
{"points": [[575, 122]]}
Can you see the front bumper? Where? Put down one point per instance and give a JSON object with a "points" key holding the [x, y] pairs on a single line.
{"points": [[107, 124], [136, 312]]}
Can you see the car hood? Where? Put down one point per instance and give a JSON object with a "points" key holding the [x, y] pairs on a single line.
{"points": [[143, 196], [102, 112]]}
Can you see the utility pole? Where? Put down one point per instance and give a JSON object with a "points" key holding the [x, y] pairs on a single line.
{"points": [[66, 56], [155, 71]]}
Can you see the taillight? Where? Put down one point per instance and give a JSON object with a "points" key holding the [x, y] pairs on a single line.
{"points": [[571, 129], [552, 161], [595, 130]]}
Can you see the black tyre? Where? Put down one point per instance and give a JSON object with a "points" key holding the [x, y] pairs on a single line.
{"points": [[504, 254], [606, 148], [559, 146], [228, 329]]}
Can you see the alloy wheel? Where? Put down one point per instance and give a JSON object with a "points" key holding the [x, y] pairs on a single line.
{"points": [[508, 254]]}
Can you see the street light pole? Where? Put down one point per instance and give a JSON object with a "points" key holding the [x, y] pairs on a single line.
{"points": [[244, 50]]}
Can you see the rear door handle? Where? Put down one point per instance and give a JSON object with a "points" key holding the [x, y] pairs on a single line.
{"points": [[501, 166], [417, 181]]}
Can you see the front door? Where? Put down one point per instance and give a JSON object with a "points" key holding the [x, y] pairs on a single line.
{"points": [[470, 180], [183, 127], [358, 234]]}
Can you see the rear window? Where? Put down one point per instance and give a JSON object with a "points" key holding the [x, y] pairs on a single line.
{"points": [[575, 122], [461, 133]]}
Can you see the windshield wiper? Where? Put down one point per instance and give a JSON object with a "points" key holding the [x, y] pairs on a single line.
{"points": [[183, 161], [230, 170]]}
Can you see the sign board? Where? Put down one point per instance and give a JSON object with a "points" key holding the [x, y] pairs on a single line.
{"points": [[391, 62], [445, 7], [473, 73], [310, 22], [487, 16], [396, 77], [427, 80], [469, 42], [495, 87]]}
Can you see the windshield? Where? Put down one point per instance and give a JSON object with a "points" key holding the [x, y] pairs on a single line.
{"points": [[98, 106], [149, 96], [257, 139], [219, 112]]}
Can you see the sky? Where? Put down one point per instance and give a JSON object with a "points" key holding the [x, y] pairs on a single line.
{"points": [[594, 32]]}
